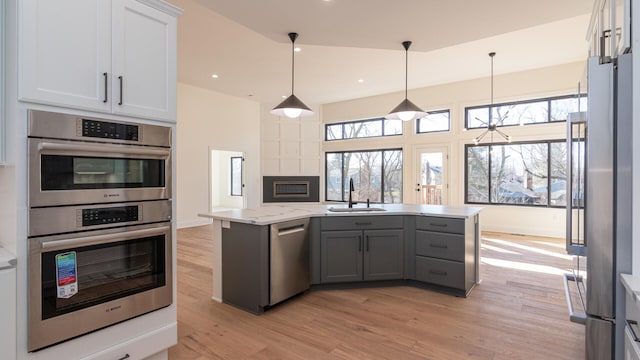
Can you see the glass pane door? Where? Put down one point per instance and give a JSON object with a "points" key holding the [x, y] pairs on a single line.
{"points": [[431, 184]]}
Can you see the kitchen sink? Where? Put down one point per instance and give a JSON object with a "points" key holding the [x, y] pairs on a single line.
{"points": [[358, 209]]}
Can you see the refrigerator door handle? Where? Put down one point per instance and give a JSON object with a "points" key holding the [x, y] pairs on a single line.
{"points": [[576, 317]]}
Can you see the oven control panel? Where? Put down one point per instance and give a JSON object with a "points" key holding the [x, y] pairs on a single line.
{"points": [[109, 130], [110, 215]]}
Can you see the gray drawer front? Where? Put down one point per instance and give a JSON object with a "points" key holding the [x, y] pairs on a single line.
{"points": [[439, 224], [361, 222], [440, 245], [440, 272]]}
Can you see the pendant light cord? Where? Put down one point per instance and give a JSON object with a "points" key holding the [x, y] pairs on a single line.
{"points": [[406, 71], [293, 62], [406, 45]]}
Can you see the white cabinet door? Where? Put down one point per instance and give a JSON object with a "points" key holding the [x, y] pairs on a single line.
{"points": [[65, 52], [144, 61]]}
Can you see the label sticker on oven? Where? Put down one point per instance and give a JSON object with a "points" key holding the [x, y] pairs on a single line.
{"points": [[66, 274]]}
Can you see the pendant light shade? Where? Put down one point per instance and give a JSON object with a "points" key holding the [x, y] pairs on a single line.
{"points": [[406, 110], [492, 126], [292, 107]]}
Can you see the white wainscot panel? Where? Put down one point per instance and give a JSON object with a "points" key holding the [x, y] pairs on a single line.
{"points": [[270, 149], [289, 130], [289, 166], [310, 130], [289, 149], [310, 167], [310, 149], [270, 166]]}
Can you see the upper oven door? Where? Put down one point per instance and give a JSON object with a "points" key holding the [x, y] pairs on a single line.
{"points": [[73, 172]]}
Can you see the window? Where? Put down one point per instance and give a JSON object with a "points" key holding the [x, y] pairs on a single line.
{"points": [[236, 176], [531, 173], [436, 121], [363, 129], [525, 112], [376, 174]]}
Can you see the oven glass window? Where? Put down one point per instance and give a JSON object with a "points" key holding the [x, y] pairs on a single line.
{"points": [[75, 172], [96, 274]]}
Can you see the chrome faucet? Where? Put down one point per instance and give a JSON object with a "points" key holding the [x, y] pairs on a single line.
{"points": [[350, 193]]}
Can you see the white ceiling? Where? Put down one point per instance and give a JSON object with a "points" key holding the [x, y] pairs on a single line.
{"points": [[245, 42]]}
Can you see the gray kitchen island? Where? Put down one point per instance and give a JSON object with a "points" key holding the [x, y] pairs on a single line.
{"points": [[264, 255]]}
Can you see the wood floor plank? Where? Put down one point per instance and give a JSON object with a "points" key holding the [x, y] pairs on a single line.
{"points": [[517, 312]]}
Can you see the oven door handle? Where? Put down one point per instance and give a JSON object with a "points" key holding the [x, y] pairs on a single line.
{"points": [[102, 149], [100, 239]]}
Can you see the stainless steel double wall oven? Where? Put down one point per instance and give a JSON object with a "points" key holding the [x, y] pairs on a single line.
{"points": [[100, 236]]}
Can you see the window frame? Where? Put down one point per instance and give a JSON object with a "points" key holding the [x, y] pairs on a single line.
{"points": [[417, 127], [548, 100], [344, 123], [489, 176], [231, 168], [342, 173]]}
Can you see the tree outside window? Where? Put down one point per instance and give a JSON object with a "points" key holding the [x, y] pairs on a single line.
{"points": [[376, 174], [531, 173]]}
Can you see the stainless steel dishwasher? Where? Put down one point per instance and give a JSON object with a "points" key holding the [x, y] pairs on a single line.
{"points": [[289, 259]]}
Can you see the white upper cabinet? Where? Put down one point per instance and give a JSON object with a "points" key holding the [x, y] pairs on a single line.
{"points": [[109, 56]]}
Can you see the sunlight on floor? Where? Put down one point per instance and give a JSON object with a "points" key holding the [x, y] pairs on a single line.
{"points": [[527, 248], [518, 265], [500, 250]]}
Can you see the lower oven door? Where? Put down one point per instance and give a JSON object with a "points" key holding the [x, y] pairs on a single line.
{"points": [[85, 281]]}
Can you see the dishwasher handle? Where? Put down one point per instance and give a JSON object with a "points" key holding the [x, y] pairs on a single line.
{"points": [[291, 230]]}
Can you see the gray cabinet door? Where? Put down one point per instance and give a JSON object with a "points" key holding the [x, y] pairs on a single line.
{"points": [[341, 256], [383, 254]]}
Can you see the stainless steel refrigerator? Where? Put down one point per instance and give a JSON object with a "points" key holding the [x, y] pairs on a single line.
{"points": [[599, 204]]}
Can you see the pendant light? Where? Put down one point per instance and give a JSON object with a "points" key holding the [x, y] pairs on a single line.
{"points": [[406, 110], [492, 126], [292, 107]]}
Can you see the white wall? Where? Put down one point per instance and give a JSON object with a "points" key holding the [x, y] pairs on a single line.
{"points": [[209, 120], [553, 81], [221, 180]]}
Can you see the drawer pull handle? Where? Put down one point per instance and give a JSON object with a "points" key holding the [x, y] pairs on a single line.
{"points": [[363, 222], [439, 246], [438, 272], [126, 356], [438, 224]]}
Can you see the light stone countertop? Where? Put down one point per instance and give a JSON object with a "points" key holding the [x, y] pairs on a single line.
{"points": [[7, 260], [271, 214], [632, 284]]}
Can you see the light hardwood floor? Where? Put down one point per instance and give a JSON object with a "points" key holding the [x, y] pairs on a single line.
{"points": [[517, 312]]}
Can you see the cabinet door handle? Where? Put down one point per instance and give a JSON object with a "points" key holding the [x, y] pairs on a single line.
{"points": [[363, 222], [367, 242], [106, 88], [359, 243], [126, 356], [437, 272], [121, 81], [438, 224], [439, 246]]}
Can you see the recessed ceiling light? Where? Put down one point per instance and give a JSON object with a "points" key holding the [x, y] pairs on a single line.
{"points": [[297, 49], [215, 76], [360, 81]]}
